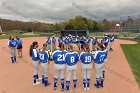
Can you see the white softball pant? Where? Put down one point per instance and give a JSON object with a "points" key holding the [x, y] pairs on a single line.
{"points": [[59, 71], [110, 44], [13, 52], [45, 69], [86, 70], [49, 46], [99, 68], [71, 70], [36, 67]]}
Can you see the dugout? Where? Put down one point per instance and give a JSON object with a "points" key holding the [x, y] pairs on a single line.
{"points": [[74, 32]]}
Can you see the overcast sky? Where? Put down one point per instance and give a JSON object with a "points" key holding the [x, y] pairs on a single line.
{"points": [[59, 10]]}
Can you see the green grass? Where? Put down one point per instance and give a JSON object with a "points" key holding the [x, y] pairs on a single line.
{"points": [[132, 53]]}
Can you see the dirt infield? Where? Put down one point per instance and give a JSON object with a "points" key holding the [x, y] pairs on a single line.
{"points": [[18, 78]]}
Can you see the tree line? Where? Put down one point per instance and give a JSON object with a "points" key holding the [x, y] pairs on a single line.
{"points": [[76, 23]]}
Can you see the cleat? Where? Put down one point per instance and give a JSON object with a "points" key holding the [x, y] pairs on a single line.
{"points": [[62, 89], [55, 88], [37, 83], [96, 86], [74, 89], [47, 84], [87, 88]]}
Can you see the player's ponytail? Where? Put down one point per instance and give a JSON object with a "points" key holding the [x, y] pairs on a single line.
{"points": [[101, 46], [61, 46], [32, 46], [86, 48]]}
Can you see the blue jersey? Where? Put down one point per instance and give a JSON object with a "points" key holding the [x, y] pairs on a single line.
{"points": [[88, 40], [48, 41], [111, 39], [59, 57], [86, 58], [70, 40], [104, 40], [12, 43], [60, 40], [43, 57], [53, 40], [94, 42], [66, 41], [19, 43], [100, 56], [71, 58], [35, 55]]}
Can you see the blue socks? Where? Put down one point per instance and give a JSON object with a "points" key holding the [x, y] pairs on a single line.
{"points": [[97, 83], [84, 83], [101, 82], [88, 82], [35, 78], [45, 81], [12, 59], [55, 83], [62, 84], [67, 85], [75, 82]]}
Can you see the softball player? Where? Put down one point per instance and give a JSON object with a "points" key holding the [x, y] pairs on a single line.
{"points": [[58, 57], [34, 54], [43, 58], [66, 43], [71, 60], [19, 47], [53, 43], [99, 59], [12, 45], [94, 44], [105, 41], [86, 58], [60, 39], [111, 38], [48, 42]]}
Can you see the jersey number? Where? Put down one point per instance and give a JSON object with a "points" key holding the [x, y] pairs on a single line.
{"points": [[60, 58], [102, 58], [41, 56], [88, 59], [72, 60]]}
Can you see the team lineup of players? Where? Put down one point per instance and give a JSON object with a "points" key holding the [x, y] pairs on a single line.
{"points": [[66, 57]]}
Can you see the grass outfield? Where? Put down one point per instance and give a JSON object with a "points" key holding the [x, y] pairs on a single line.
{"points": [[132, 53]]}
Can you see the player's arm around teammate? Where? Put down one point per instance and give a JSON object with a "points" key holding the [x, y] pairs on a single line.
{"points": [[71, 60], [44, 63], [34, 54], [99, 59], [86, 58], [58, 57]]}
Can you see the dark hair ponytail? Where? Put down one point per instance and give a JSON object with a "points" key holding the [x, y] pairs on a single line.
{"points": [[61, 46], [32, 47], [102, 46]]}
